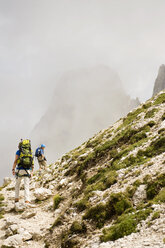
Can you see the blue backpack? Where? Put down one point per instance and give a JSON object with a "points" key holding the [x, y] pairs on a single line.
{"points": [[38, 152]]}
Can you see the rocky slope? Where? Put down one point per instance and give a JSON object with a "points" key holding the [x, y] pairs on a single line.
{"points": [[84, 102], [107, 193], [160, 81]]}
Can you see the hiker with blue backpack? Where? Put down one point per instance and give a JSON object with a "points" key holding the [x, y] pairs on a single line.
{"points": [[39, 154], [23, 168]]}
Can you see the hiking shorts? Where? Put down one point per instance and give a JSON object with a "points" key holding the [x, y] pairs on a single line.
{"points": [[42, 163]]}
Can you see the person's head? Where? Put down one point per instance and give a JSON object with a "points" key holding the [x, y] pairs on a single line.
{"points": [[42, 146]]}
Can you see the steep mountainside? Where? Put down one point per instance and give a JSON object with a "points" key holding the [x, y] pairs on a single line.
{"points": [[160, 81], [85, 101], [107, 193]]}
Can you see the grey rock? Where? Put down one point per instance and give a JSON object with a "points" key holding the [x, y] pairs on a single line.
{"points": [[28, 214], [160, 81], [20, 207], [13, 241], [42, 193], [10, 221], [26, 236], [139, 195]]}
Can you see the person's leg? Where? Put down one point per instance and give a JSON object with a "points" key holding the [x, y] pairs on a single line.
{"points": [[40, 162], [26, 189], [17, 188], [44, 164]]}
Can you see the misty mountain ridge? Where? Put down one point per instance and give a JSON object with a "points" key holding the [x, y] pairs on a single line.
{"points": [[85, 101], [107, 193]]}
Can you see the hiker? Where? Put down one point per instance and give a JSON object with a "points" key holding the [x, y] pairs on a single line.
{"points": [[41, 157], [23, 165]]}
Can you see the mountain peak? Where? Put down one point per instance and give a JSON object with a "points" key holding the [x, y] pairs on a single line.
{"points": [[160, 80]]}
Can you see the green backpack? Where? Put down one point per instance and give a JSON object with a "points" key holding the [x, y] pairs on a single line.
{"points": [[26, 157]]}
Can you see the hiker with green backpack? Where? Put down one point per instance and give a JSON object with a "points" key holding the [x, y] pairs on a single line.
{"points": [[23, 168]]}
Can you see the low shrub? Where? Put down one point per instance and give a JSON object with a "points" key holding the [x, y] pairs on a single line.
{"points": [[82, 204], [56, 201], [78, 227]]}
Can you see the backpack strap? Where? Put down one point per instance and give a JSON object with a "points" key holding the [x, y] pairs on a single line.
{"points": [[26, 175]]}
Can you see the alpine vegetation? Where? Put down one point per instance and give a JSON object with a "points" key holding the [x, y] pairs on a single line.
{"points": [[107, 193]]}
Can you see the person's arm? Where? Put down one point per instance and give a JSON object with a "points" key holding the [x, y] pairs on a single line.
{"points": [[15, 163]]}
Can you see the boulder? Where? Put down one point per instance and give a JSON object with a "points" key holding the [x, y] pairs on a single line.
{"points": [[42, 193], [28, 214], [26, 236], [13, 241]]}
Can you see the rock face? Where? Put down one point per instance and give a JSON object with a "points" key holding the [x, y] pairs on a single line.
{"points": [[84, 102], [160, 81]]}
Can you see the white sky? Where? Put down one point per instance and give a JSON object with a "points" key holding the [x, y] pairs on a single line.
{"points": [[41, 39]]}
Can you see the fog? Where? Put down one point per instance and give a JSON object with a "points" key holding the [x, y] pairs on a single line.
{"points": [[40, 40], [84, 102]]}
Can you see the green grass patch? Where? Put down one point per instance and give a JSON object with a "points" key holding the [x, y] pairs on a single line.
{"points": [[161, 196], [68, 237], [133, 116], [154, 187], [82, 204], [1, 198], [102, 180], [160, 99], [1, 205], [78, 227], [56, 201], [155, 215], [115, 206], [151, 113], [124, 225], [163, 117]]}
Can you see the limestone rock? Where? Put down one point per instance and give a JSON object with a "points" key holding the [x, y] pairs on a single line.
{"points": [[13, 241], [42, 193], [26, 236], [19, 207], [139, 195], [10, 221], [14, 228], [28, 214], [63, 182]]}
